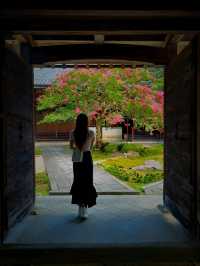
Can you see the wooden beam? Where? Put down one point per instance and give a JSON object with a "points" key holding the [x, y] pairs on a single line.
{"points": [[136, 37], [40, 55], [110, 20], [95, 13], [122, 37], [99, 39], [59, 42], [100, 254], [142, 43], [105, 32], [70, 42], [167, 39], [176, 38]]}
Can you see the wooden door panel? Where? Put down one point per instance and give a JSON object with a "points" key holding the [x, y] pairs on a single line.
{"points": [[180, 108], [18, 142]]}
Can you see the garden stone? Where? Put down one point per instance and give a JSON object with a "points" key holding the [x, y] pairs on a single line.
{"points": [[153, 164], [116, 154], [150, 164], [131, 154], [140, 167]]}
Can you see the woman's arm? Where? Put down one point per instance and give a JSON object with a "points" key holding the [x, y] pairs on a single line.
{"points": [[92, 141]]}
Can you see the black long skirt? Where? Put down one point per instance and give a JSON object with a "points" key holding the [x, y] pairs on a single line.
{"points": [[83, 190]]}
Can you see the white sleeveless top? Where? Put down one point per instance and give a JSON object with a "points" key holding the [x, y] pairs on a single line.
{"points": [[89, 141]]}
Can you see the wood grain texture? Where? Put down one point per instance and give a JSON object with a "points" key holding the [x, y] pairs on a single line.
{"points": [[180, 113], [105, 51], [18, 138]]}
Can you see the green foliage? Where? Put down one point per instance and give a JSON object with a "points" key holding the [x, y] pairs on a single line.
{"points": [[105, 95], [141, 149], [103, 145], [129, 175], [122, 167], [152, 150], [131, 147], [38, 151], [119, 146], [42, 184], [109, 147]]}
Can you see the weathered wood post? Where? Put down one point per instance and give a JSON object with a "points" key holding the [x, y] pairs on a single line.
{"points": [[17, 140]]}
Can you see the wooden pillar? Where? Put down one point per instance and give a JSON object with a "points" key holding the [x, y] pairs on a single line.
{"points": [[172, 51], [3, 221], [198, 135], [16, 142]]}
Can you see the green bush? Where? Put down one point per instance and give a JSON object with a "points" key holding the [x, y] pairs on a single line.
{"points": [[117, 171], [38, 151], [147, 176], [131, 147], [119, 146], [143, 177], [109, 148], [152, 150], [42, 184], [103, 145], [141, 149]]}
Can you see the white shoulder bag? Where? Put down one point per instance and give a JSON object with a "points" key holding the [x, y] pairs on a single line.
{"points": [[77, 155]]}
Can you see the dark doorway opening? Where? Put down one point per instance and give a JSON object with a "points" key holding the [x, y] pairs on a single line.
{"points": [[181, 131]]}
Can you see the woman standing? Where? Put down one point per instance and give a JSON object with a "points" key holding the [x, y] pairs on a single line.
{"points": [[81, 141]]}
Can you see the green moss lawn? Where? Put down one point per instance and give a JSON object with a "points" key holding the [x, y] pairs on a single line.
{"points": [[42, 184], [119, 159]]}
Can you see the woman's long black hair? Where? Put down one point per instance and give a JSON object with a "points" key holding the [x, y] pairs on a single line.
{"points": [[81, 130]]}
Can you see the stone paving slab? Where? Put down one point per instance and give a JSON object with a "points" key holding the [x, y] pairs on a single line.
{"points": [[60, 171], [39, 164], [155, 188], [115, 220]]}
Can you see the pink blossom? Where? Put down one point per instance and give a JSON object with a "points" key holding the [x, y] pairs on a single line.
{"points": [[155, 107], [65, 101], [77, 110], [116, 119], [160, 96], [93, 114], [62, 83], [147, 89], [98, 109]]}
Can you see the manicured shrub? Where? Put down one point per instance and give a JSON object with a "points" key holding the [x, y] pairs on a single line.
{"points": [[152, 150], [119, 146], [103, 145], [117, 171], [38, 151], [134, 176], [141, 149], [109, 148], [147, 177], [42, 184], [131, 147]]}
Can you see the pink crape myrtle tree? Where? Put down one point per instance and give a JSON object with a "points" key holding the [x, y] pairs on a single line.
{"points": [[143, 100], [145, 107], [95, 92], [105, 95]]}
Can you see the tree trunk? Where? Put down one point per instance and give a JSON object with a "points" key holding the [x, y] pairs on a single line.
{"points": [[98, 133], [133, 129]]}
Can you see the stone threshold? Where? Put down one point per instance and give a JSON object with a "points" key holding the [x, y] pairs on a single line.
{"points": [[186, 253], [62, 193]]}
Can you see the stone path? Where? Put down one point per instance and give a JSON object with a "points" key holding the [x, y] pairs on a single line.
{"points": [[59, 167], [155, 188], [39, 164]]}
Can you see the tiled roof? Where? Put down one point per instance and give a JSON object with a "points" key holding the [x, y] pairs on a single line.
{"points": [[44, 76]]}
